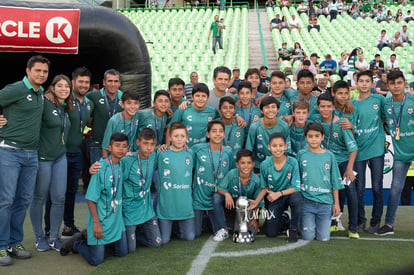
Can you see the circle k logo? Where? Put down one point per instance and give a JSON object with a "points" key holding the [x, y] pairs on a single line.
{"points": [[58, 30]]}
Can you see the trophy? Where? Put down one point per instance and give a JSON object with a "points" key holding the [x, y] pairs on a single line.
{"points": [[242, 235]]}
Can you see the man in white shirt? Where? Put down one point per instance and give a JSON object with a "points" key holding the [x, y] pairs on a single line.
{"points": [[408, 17], [405, 35], [383, 40], [396, 41], [392, 64], [294, 23], [302, 8]]}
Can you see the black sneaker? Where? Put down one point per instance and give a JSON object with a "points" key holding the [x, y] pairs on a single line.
{"points": [[68, 232], [67, 245], [293, 236], [373, 228], [385, 230], [361, 227]]}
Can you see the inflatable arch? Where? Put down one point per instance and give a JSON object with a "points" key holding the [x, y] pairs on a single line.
{"points": [[107, 39]]}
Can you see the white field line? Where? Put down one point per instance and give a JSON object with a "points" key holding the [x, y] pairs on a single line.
{"points": [[376, 239], [203, 257]]}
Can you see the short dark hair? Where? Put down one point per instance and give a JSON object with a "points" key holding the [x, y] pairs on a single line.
{"points": [[228, 99], [244, 153], [269, 100], [37, 59], [221, 69], [111, 72], [175, 81], [278, 74], [305, 73], [147, 134], [161, 93], [325, 97], [394, 75], [275, 136], [367, 73], [118, 137], [200, 87], [314, 126], [393, 55], [340, 84], [214, 122], [244, 84], [306, 62], [250, 72], [81, 71], [130, 95]]}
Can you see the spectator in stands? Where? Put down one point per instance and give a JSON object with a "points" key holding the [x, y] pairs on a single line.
{"points": [[374, 11], [313, 23], [354, 11], [302, 8], [365, 10], [304, 66], [284, 24], [319, 10], [362, 65], [294, 23], [396, 41], [408, 17], [383, 40], [222, 4], [325, 7], [217, 35], [188, 88], [340, 7], [313, 64], [269, 4], [288, 84], [390, 17], [405, 35], [399, 16], [381, 86], [392, 64], [284, 53], [298, 54], [333, 9], [235, 80], [264, 79], [329, 65], [353, 65], [275, 23], [382, 15], [343, 65], [376, 63], [322, 85]]}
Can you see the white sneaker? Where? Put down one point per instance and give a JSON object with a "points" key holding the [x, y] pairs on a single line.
{"points": [[340, 226], [221, 235]]}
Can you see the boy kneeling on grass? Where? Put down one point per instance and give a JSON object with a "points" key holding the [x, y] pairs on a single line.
{"points": [[321, 181], [105, 224]]}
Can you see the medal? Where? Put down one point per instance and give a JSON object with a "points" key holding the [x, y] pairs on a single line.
{"points": [[113, 204], [63, 138], [397, 120], [397, 133]]}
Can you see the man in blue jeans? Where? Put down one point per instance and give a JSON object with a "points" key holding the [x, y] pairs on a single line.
{"points": [[398, 111], [22, 104]]}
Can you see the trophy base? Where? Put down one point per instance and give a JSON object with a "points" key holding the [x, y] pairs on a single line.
{"points": [[243, 237]]}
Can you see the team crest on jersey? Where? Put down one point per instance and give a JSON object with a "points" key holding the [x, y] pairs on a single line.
{"points": [[335, 134], [167, 172], [225, 161], [201, 169], [410, 110], [375, 106], [289, 175], [237, 133], [327, 165], [287, 104], [187, 161], [88, 107], [210, 118]]}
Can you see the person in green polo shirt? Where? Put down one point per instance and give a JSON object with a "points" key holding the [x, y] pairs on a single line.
{"points": [[21, 103], [217, 35]]}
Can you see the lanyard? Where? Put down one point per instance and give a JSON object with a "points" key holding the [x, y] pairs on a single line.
{"points": [[247, 187], [116, 100], [81, 110], [131, 134], [229, 135], [250, 113], [62, 116], [301, 138], [114, 190], [157, 129], [212, 164], [143, 182], [330, 132], [397, 120]]}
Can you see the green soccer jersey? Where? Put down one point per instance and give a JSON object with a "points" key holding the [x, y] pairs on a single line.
{"points": [[136, 197], [173, 109], [105, 189], [285, 108], [258, 139], [369, 132], [235, 137], [214, 29], [404, 142], [249, 114], [79, 117], [205, 176], [22, 106], [231, 183], [158, 124], [341, 114], [196, 122], [258, 95], [174, 188], [297, 139], [279, 180], [53, 132], [104, 109], [351, 63], [118, 124], [319, 176], [340, 142]]}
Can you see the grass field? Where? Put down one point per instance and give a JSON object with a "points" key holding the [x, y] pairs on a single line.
{"points": [[369, 255]]}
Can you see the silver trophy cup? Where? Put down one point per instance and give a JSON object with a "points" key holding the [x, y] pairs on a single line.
{"points": [[242, 235]]}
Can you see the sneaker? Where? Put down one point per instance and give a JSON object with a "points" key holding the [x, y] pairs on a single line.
{"points": [[5, 258], [55, 244], [385, 230], [334, 228], [373, 228], [340, 226], [286, 216], [19, 252], [292, 236], [67, 245], [361, 227], [68, 232], [353, 235], [42, 244], [221, 235]]}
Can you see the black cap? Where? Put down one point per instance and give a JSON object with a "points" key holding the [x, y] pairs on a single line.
{"points": [[264, 67], [315, 55]]}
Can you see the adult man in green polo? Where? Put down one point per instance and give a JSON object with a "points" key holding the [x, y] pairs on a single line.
{"points": [[217, 34], [22, 104]]}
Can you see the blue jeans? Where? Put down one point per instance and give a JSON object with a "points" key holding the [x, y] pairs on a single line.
{"points": [[352, 197], [18, 171], [218, 203], [199, 218], [275, 222], [74, 168], [51, 180], [219, 40], [377, 169], [408, 41], [95, 154], [316, 221], [148, 234], [95, 254], [399, 173], [380, 46], [185, 229]]}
